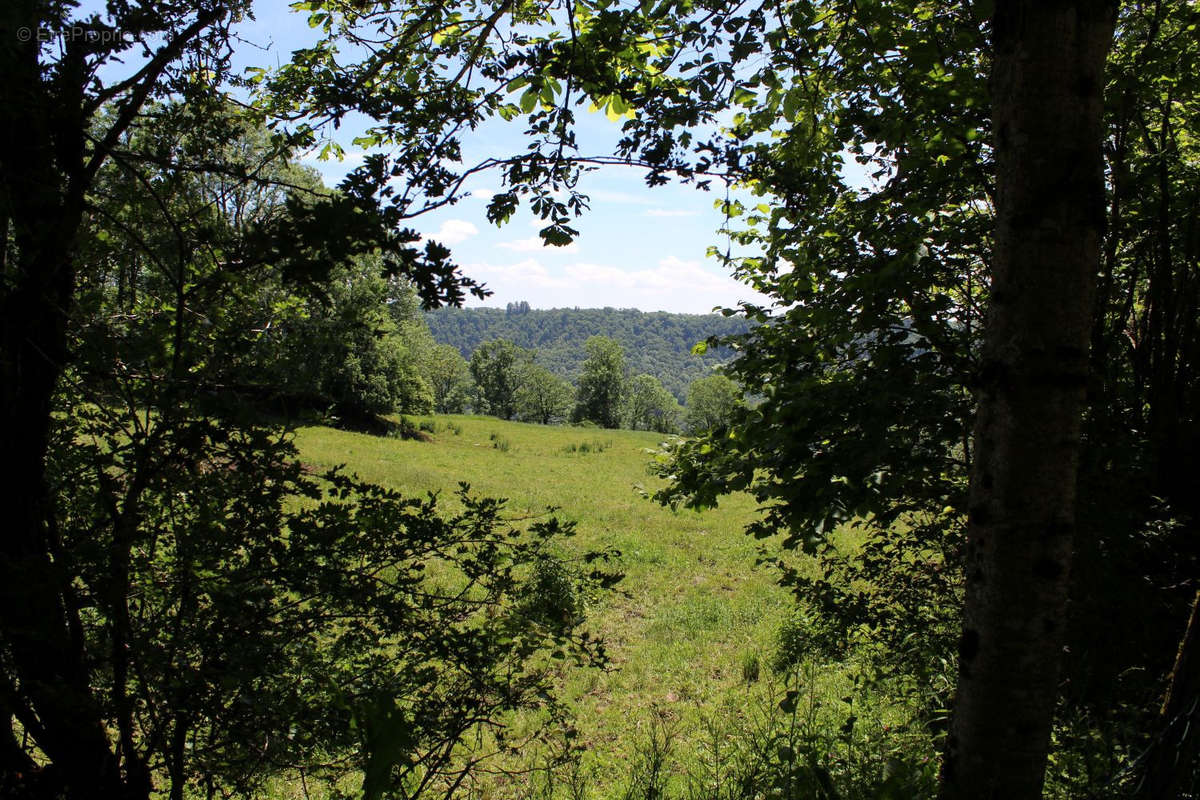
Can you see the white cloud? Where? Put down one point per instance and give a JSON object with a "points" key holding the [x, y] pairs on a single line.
{"points": [[671, 274], [672, 285], [504, 279], [534, 244], [454, 231], [669, 212]]}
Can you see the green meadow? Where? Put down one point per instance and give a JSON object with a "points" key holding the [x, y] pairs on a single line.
{"points": [[691, 621]]}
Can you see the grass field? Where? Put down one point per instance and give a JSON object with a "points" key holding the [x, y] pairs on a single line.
{"points": [[693, 608]]}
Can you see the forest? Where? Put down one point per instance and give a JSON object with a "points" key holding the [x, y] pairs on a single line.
{"points": [[284, 520], [657, 343]]}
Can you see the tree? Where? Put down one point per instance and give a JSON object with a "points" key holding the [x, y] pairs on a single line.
{"points": [[448, 375], [344, 348], [53, 147], [240, 677], [648, 406], [541, 395], [496, 368], [711, 403], [871, 358], [72, 562], [601, 384], [1047, 84], [208, 625]]}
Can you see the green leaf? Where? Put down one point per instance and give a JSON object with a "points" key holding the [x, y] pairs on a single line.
{"points": [[529, 100], [558, 235], [617, 108]]}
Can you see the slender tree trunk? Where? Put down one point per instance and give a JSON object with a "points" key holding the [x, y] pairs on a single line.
{"points": [[1047, 85], [1168, 766]]}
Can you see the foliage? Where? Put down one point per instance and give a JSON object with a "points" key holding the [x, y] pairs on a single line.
{"points": [[496, 369], [1140, 456], [244, 619], [344, 341], [711, 403], [656, 343], [690, 604], [286, 629], [789, 741], [449, 377], [541, 396], [865, 369], [88, 159], [78, 98], [866, 191], [879, 271], [346, 348], [648, 406], [602, 383]]}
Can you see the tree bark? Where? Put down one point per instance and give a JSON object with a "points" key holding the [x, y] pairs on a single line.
{"points": [[41, 164], [1169, 764], [1047, 86]]}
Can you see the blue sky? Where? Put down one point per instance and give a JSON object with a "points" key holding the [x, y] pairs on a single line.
{"points": [[638, 247]]}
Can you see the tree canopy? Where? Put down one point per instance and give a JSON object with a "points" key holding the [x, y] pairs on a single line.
{"points": [[496, 367], [649, 406], [872, 363], [602, 383], [711, 403]]}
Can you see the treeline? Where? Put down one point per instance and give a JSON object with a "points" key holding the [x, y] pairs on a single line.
{"points": [[506, 381], [355, 347], [655, 343]]}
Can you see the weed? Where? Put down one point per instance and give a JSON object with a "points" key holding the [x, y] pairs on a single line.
{"points": [[750, 667], [649, 775], [594, 446]]}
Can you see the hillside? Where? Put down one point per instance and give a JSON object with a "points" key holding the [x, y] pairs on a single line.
{"points": [[658, 343], [692, 610]]}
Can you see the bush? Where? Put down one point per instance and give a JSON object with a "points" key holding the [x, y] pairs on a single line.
{"points": [[306, 620]]}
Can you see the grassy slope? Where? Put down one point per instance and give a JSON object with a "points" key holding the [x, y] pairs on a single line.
{"points": [[695, 605]]}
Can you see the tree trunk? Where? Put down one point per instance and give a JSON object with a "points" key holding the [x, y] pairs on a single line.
{"points": [[1047, 85], [41, 158], [1170, 762]]}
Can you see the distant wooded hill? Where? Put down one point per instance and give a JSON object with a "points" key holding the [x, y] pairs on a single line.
{"points": [[655, 342]]}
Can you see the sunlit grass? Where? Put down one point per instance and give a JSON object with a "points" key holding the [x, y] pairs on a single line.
{"points": [[694, 622], [692, 604]]}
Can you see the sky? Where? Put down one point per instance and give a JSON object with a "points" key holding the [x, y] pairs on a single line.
{"points": [[638, 247]]}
